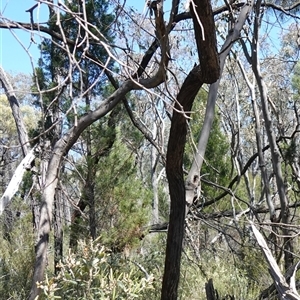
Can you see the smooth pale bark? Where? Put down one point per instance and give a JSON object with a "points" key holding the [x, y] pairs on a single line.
{"points": [[63, 145], [261, 159], [232, 221], [274, 149], [154, 181], [61, 148], [285, 291], [193, 178], [16, 180], [181, 193], [275, 153]]}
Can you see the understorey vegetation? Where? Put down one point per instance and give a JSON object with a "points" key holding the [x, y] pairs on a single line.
{"points": [[150, 151]]}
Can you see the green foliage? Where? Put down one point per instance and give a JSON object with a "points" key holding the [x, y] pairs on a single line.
{"points": [[228, 277], [55, 61], [17, 255], [8, 127], [252, 266], [93, 272], [289, 151], [123, 199]]}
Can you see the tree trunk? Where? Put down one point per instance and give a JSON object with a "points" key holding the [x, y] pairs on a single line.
{"points": [[275, 153], [154, 181], [258, 131], [16, 180], [193, 178], [15, 108], [177, 141], [205, 35], [58, 229], [285, 291], [174, 172], [175, 152], [211, 293], [62, 147]]}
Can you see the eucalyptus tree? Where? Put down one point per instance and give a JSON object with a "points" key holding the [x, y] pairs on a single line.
{"points": [[53, 65], [213, 44]]}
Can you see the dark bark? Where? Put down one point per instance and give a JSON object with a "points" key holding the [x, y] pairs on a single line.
{"points": [[211, 293], [205, 34], [194, 173], [174, 172], [177, 140], [58, 229], [175, 151]]}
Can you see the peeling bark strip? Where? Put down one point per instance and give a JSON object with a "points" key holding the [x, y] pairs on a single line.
{"points": [[202, 15]]}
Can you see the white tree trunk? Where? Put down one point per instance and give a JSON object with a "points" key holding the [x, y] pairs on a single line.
{"points": [[16, 179], [285, 291], [193, 178]]}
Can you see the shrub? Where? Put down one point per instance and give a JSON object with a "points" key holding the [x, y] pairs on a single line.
{"points": [[93, 272]]}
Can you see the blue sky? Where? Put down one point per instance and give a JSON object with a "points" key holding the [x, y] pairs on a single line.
{"points": [[13, 56]]}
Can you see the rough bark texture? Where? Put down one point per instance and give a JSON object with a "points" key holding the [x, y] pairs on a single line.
{"points": [[58, 229], [175, 152], [194, 173], [211, 293], [176, 144], [203, 20], [174, 172]]}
